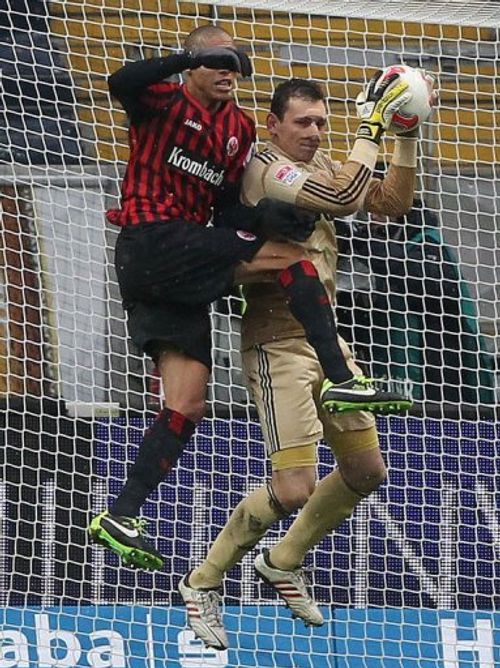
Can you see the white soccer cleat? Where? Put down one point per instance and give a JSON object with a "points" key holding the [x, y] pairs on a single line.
{"points": [[292, 588], [204, 615]]}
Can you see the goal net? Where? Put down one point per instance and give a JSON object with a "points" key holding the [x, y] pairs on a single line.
{"points": [[412, 579]]}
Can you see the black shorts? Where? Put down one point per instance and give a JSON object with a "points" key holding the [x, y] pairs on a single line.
{"points": [[169, 273], [154, 327]]}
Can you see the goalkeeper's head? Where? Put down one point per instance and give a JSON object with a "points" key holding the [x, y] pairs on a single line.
{"points": [[297, 118]]}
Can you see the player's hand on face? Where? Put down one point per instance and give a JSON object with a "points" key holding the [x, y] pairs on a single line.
{"points": [[221, 58]]}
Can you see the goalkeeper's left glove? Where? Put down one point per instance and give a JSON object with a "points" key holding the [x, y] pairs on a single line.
{"points": [[376, 105]]}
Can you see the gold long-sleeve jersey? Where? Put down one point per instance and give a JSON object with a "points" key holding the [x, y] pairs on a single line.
{"points": [[330, 188]]}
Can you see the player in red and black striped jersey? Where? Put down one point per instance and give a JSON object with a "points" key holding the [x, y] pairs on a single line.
{"points": [[189, 144], [188, 147], [181, 150]]}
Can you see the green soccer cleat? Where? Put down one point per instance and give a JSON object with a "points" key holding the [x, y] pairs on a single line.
{"points": [[125, 537], [359, 394]]}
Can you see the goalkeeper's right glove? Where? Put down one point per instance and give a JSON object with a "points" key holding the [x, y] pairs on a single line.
{"points": [[376, 105], [219, 58]]}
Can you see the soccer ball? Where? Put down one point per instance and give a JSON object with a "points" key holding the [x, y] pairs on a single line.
{"points": [[418, 109]]}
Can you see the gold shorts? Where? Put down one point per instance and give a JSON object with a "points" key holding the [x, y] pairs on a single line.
{"points": [[284, 378]]}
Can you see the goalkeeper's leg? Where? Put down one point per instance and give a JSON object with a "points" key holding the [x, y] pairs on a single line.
{"points": [[247, 525], [361, 470], [294, 476], [293, 481]]}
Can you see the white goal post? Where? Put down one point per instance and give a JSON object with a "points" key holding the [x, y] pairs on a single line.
{"points": [[412, 580]]}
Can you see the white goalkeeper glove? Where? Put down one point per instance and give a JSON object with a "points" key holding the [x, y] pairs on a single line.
{"points": [[376, 105]]}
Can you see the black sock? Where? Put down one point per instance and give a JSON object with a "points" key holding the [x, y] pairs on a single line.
{"points": [[310, 305], [161, 447]]}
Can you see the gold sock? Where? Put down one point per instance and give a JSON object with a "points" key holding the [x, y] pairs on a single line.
{"points": [[327, 507], [248, 523]]}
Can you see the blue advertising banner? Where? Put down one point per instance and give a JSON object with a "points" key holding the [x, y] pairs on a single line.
{"points": [[411, 581], [142, 637], [435, 520]]}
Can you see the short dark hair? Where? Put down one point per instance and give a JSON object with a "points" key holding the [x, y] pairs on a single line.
{"points": [[197, 36], [304, 88]]}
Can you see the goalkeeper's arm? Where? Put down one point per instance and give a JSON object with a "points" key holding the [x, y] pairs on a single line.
{"points": [[344, 192], [393, 195], [338, 192]]}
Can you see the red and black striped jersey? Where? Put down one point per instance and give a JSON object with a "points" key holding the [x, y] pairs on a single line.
{"points": [[180, 156]]}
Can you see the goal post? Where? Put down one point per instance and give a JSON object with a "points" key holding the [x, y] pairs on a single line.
{"points": [[412, 580]]}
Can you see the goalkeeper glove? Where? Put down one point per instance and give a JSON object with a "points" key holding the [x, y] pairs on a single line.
{"points": [[376, 105], [219, 58]]}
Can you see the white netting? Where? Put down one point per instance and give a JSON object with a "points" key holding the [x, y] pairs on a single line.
{"points": [[412, 579], [449, 12]]}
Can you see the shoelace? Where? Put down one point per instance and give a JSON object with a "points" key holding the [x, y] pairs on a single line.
{"points": [[360, 380], [138, 524], [210, 602], [364, 381]]}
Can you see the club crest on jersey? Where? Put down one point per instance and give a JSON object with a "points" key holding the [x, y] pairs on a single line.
{"points": [[247, 236], [193, 124], [287, 174], [232, 146]]}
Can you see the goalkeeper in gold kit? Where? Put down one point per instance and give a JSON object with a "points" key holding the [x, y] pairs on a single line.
{"points": [[283, 372]]}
